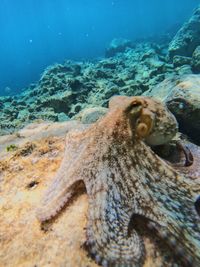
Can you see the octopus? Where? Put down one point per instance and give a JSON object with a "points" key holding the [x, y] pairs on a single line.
{"points": [[126, 181]]}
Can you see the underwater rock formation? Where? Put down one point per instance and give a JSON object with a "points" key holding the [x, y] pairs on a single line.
{"points": [[196, 60], [181, 60], [64, 90], [68, 88], [187, 38], [182, 96], [117, 46]]}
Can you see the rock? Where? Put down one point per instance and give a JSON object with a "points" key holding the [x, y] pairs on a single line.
{"points": [[117, 46], [182, 96], [25, 241], [196, 60], [187, 38], [108, 63], [63, 117], [181, 60], [91, 115], [183, 70], [59, 103], [38, 130], [23, 180]]}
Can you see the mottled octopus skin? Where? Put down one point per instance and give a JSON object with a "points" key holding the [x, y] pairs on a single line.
{"points": [[124, 177]]}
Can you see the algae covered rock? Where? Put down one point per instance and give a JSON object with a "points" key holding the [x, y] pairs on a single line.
{"points": [[182, 96], [63, 117], [181, 60], [117, 45], [187, 38], [91, 115], [184, 70], [196, 59]]}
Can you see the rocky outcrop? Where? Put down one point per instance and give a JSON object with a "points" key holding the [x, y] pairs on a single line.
{"points": [[187, 38]]}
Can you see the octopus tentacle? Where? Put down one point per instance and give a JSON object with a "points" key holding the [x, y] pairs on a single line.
{"points": [[188, 155], [66, 180], [170, 203], [108, 240]]}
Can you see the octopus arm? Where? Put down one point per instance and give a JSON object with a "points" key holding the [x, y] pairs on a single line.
{"points": [[108, 239], [166, 199], [67, 179]]}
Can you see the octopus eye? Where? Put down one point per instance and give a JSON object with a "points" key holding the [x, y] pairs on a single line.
{"points": [[197, 205], [144, 125], [142, 129]]}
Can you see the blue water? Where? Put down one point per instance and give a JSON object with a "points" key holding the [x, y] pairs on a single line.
{"points": [[36, 33]]}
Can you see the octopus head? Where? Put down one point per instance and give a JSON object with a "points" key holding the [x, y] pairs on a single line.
{"points": [[149, 118]]}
